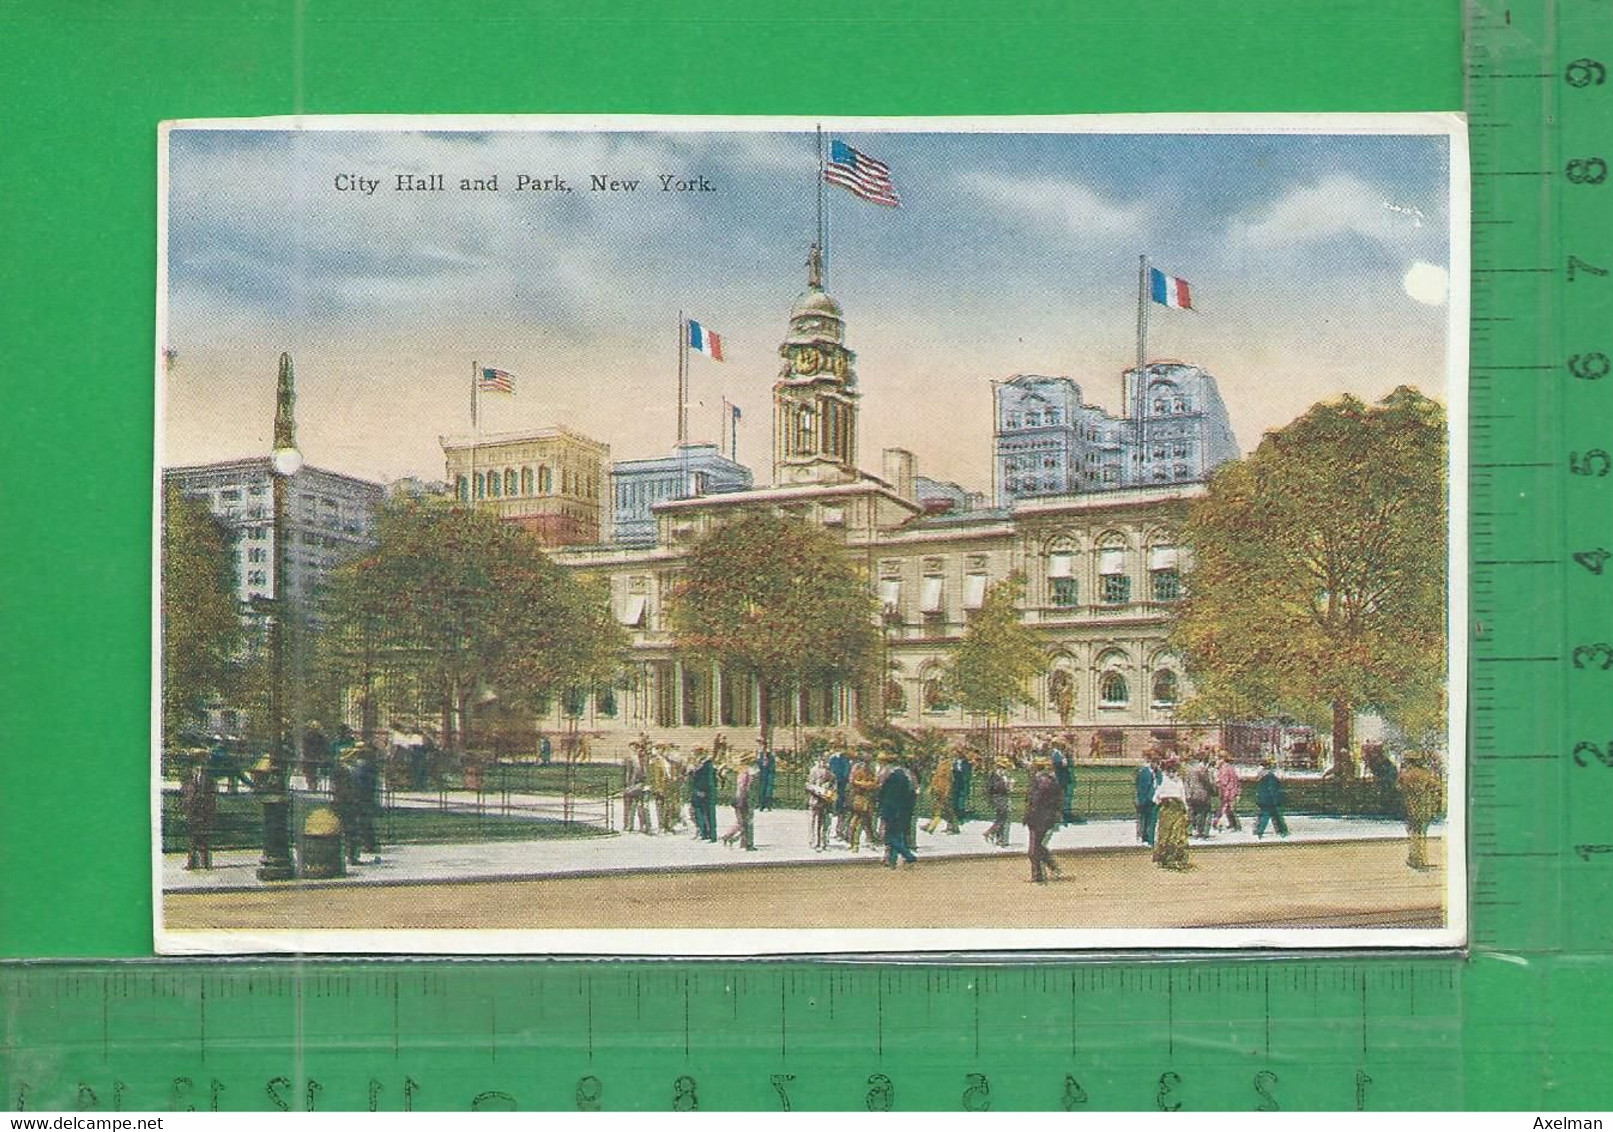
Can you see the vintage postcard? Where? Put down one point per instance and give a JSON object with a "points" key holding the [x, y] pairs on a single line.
{"points": [[756, 536]]}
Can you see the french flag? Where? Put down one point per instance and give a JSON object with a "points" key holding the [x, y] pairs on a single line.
{"points": [[1169, 291], [708, 342]]}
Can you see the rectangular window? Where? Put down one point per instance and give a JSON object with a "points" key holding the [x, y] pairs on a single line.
{"points": [[1116, 589], [974, 591], [632, 611], [890, 593], [930, 599], [1167, 585], [1065, 594], [232, 496]]}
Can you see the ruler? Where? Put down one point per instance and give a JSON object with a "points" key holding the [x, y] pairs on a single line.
{"points": [[1540, 107], [1520, 1022]]}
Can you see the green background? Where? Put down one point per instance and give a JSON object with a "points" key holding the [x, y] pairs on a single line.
{"points": [[83, 86]]}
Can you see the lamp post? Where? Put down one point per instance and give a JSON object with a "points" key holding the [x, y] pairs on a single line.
{"points": [[284, 462]]}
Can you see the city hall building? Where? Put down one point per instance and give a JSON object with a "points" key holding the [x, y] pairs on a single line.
{"points": [[1097, 538]]}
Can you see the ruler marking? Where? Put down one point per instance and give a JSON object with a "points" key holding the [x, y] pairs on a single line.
{"points": [[1267, 996], [396, 1027], [879, 1015], [977, 1014], [1072, 1014], [1170, 1014], [590, 985], [686, 1018], [201, 1020], [783, 1020]]}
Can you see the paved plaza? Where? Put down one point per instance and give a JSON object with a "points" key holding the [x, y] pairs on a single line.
{"points": [[781, 840]]}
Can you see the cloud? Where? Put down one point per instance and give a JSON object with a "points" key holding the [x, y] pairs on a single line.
{"points": [[1336, 205], [1056, 204]]}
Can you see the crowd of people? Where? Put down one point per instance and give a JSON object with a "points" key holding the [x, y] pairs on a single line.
{"points": [[351, 770], [1180, 800], [856, 795]]}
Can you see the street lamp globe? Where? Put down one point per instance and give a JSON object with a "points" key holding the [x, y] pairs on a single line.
{"points": [[286, 461]]}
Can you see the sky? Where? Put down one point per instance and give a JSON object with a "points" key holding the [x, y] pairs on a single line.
{"points": [[1317, 264]]}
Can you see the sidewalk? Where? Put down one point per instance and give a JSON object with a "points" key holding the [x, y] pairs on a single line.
{"points": [[781, 839]]}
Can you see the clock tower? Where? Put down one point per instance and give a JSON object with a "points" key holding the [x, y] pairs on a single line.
{"points": [[815, 397]]}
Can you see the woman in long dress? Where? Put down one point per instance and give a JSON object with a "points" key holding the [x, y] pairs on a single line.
{"points": [[1170, 839]]}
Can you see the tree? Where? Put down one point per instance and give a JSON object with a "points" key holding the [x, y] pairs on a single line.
{"points": [[1318, 582], [998, 657], [778, 600], [454, 604], [201, 618]]}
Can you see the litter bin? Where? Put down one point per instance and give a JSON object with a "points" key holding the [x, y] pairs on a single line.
{"points": [[322, 845]]}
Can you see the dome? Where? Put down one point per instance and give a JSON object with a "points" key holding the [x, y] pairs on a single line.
{"points": [[816, 302]]}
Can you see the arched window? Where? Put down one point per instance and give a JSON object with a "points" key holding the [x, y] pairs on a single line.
{"points": [[1166, 689], [1062, 588], [545, 480], [895, 696], [493, 483], [1161, 405], [462, 489], [481, 485], [1114, 581], [935, 691], [1183, 404], [1112, 690], [526, 481], [509, 481]]}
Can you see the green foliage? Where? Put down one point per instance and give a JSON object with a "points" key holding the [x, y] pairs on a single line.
{"points": [[999, 655], [1318, 585], [201, 619], [778, 599], [453, 602]]}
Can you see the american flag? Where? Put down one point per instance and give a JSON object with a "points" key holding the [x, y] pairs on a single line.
{"points": [[852, 169], [496, 381]]}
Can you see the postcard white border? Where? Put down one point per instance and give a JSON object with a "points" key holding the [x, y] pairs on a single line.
{"points": [[933, 942]]}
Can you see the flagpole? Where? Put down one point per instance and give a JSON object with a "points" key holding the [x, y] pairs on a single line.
{"points": [[683, 380], [733, 433], [823, 215], [1142, 361]]}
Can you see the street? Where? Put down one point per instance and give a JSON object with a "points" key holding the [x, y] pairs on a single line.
{"points": [[1336, 884]]}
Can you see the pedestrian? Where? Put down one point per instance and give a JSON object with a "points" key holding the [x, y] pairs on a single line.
{"points": [[1044, 805], [744, 828], [941, 796], [1147, 779], [703, 796], [1170, 835], [1421, 793], [898, 795], [198, 797], [999, 788], [820, 790], [864, 790], [1064, 773], [1228, 785], [766, 776], [962, 773], [666, 783], [1269, 797], [840, 768], [545, 750], [345, 794], [1200, 782], [368, 782], [636, 789]]}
